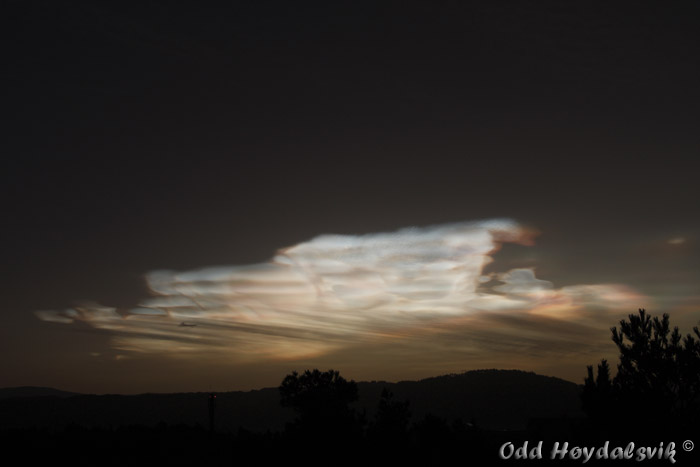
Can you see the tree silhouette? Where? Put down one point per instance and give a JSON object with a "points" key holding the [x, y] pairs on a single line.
{"points": [[658, 376], [322, 401], [392, 418], [597, 398]]}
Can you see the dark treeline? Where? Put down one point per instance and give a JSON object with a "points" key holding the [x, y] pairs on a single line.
{"points": [[651, 401]]}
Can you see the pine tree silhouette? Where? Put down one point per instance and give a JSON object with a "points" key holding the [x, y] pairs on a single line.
{"points": [[657, 380]]}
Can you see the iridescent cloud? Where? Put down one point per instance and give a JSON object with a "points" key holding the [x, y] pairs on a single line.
{"points": [[337, 291]]}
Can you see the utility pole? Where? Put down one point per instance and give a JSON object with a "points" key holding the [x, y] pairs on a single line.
{"points": [[212, 409]]}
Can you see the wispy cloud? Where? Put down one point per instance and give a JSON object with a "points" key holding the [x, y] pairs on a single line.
{"points": [[338, 291]]}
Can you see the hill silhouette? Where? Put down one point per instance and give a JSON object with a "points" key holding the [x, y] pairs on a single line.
{"points": [[494, 399], [33, 391]]}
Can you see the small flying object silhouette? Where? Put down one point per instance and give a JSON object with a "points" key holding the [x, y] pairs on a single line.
{"points": [[187, 325]]}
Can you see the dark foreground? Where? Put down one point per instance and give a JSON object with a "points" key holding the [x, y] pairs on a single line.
{"points": [[431, 441]]}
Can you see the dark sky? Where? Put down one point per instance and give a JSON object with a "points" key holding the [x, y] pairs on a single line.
{"points": [[155, 135]]}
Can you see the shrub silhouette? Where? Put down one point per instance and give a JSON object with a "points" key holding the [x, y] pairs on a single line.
{"points": [[657, 380]]}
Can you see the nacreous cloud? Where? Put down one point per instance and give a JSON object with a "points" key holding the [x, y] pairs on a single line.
{"points": [[339, 290]]}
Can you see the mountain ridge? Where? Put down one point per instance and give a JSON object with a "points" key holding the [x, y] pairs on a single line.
{"points": [[9, 391], [491, 398], [34, 391]]}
